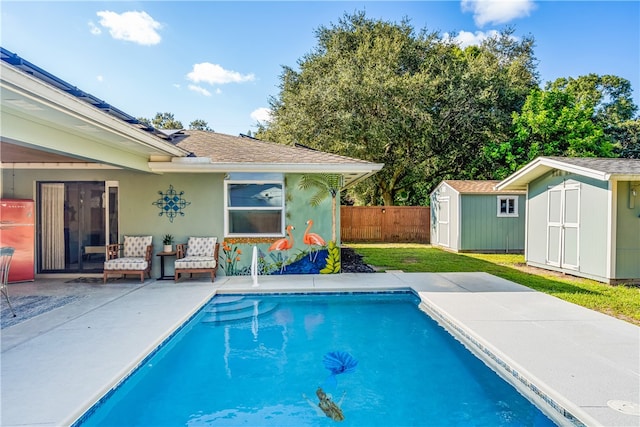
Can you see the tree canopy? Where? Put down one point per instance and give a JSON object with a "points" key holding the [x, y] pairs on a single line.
{"points": [[414, 101], [551, 123], [200, 124], [166, 121], [431, 110]]}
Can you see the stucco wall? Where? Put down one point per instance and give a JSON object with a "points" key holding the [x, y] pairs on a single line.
{"points": [[203, 216], [298, 211]]}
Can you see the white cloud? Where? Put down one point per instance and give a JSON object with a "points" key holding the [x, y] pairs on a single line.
{"points": [[136, 27], [467, 38], [100, 78], [94, 29], [199, 90], [215, 74], [497, 11], [261, 115], [176, 85]]}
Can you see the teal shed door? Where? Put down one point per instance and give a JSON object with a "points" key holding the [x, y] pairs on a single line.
{"points": [[563, 224]]}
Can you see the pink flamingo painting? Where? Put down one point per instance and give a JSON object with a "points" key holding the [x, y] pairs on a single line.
{"points": [[283, 245], [312, 239]]}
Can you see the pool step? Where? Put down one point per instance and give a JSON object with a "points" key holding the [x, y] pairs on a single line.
{"points": [[225, 299], [237, 305], [236, 310]]}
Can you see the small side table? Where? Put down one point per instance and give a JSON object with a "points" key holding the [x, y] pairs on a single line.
{"points": [[162, 256]]}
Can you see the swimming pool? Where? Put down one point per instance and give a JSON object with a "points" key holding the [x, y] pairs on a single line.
{"points": [[260, 360]]}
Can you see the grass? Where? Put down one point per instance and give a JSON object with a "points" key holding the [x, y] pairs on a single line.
{"points": [[619, 301]]}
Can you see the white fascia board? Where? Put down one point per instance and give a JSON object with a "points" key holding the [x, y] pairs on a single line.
{"points": [[438, 187], [203, 164], [519, 180], [41, 92], [579, 170], [59, 165]]}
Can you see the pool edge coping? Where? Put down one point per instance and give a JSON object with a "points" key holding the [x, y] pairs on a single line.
{"points": [[84, 410], [558, 408]]}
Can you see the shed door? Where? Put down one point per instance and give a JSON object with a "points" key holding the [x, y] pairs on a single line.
{"points": [[563, 226], [443, 221], [554, 226]]}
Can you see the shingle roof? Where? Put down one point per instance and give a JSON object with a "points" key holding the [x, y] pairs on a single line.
{"points": [[477, 187], [605, 165], [213, 152], [222, 148], [604, 169]]}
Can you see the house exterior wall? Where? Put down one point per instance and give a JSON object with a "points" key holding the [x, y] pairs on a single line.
{"points": [[592, 230], [298, 211], [627, 234], [444, 198], [482, 230], [203, 216]]}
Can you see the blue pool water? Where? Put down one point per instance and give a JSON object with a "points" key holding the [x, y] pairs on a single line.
{"points": [[258, 361]]}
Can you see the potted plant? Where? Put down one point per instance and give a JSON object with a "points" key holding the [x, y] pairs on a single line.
{"points": [[167, 241]]}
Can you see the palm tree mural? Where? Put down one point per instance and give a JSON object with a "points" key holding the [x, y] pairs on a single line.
{"points": [[326, 185]]}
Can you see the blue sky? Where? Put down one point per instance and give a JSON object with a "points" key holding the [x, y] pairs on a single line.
{"points": [[221, 61]]}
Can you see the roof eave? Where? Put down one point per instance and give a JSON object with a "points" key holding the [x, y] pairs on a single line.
{"points": [[356, 171], [540, 166], [31, 87], [204, 164]]}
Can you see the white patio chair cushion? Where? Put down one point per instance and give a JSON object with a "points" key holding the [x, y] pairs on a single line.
{"points": [[201, 246], [126, 263], [193, 262], [136, 246]]}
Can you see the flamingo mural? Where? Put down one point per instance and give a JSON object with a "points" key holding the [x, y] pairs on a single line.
{"points": [[311, 240], [283, 245]]}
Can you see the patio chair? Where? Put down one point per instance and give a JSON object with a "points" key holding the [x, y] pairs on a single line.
{"points": [[198, 255], [132, 257], [6, 253]]}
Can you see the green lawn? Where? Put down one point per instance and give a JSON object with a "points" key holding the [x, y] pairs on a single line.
{"points": [[622, 302]]}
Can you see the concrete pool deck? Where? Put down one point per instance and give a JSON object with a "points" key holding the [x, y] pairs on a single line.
{"points": [[56, 365]]}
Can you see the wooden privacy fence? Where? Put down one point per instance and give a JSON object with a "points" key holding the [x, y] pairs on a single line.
{"points": [[387, 224]]}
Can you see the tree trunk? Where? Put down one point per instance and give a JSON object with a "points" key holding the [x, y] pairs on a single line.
{"points": [[387, 198]]}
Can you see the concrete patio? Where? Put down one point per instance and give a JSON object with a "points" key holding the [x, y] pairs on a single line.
{"points": [[583, 363]]}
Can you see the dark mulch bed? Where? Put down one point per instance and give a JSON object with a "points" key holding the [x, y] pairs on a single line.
{"points": [[351, 262]]}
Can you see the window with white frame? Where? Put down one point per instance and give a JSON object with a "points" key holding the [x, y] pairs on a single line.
{"points": [[507, 206], [254, 204]]}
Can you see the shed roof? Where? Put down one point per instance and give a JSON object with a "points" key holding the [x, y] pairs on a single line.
{"points": [[478, 187], [604, 169]]}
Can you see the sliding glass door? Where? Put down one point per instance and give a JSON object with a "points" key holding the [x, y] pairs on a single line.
{"points": [[76, 221]]}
